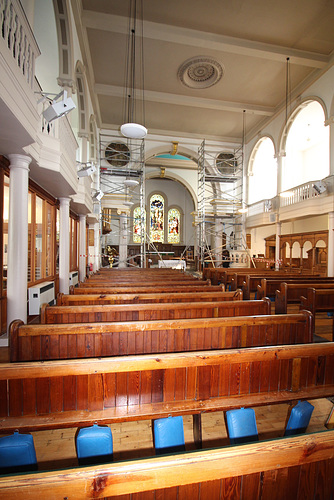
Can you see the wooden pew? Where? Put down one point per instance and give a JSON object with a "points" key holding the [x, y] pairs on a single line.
{"points": [[145, 298], [268, 286], [141, 312], [58, 394], [291, 293], [318, 300], [145, 289], [248, 282], [286, 468], [87, 340], [139, 282]]}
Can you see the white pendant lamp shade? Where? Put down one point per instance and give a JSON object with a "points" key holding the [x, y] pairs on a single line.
{"points": [[128, 203], [133, 130]]}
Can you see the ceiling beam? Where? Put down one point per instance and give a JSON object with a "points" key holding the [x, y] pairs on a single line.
{"points": [[205, 40], [183, 100]]}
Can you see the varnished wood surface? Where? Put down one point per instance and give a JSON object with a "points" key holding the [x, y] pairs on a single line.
{"points": [[146, 289], [59, 394], [151, 311], [291, 459], [86, 340], [141, 298]]}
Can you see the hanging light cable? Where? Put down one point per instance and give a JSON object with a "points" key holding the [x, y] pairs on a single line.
{"points": [[134, 73]]}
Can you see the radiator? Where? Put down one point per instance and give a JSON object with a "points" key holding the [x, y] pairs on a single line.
{"points": [[74, 278], [40, 294]]}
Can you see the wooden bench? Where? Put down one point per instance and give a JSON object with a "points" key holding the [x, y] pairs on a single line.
{"points": [[145, 289], [145, 298], [58, 394], [87, 340], [268, 286], [249, 282], [286, 468], [142, 312], [318, 300], [291, 293], [142, 283]]}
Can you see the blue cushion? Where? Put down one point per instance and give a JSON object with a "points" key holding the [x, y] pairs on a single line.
{"points": [[299, 418], [94, 445], [241, 425], [17, 453], [168, 435]]}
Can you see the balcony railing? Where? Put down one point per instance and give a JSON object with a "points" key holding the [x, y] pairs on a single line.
{"points": [[18, 38], [298, 194]]}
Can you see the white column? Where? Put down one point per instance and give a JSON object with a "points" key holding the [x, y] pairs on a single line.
{"points": [[64, 245], [330, 256], [280, 159], [277, 244], [17, 270], [330, 123], [97, 249], [82, 247], [218, 240], [123, 243]]}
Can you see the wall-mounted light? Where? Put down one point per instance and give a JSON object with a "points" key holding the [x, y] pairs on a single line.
{"points": [[57, 107], [86, 170], [98, 196]]}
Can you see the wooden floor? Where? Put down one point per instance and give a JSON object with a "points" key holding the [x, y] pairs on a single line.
{"points": [[56, 448]]}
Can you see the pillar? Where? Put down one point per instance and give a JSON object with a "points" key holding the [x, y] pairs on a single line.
{"points": [[330, 256], [123, 243], [218, 241], [330, 123], [82, 248], [279, 158], [277, 245], [17, 271], [64, 244], [97, 249]]}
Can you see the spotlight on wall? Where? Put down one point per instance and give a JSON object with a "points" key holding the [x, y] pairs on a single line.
{"points": [[319, 187], [98, 196], [57, 107], [86, 170]]}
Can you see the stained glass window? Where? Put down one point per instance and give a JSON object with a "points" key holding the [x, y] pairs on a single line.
{"points": [[157, 203], [137, 227], [173, 225]]}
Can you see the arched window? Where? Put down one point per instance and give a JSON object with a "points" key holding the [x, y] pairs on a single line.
{"points": [[157, 213], [174, 226], [262, 181], [307, 147], [137, 225]]}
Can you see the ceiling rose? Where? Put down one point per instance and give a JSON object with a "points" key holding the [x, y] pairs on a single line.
{"points": [[200, 72]]}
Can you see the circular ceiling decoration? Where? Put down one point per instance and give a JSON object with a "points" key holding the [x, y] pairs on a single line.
{"points": [[117, 154], [200, 72]]}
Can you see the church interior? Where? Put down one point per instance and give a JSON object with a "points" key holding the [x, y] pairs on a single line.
{"points": [[167, 249]]}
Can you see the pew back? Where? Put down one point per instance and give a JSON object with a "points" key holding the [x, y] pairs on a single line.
{"points": [[56, 394], [87, 340], [143, 312], [145, 289], [291, 293]]}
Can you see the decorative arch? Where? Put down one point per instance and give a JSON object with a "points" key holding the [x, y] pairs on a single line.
{"points": [[65, 44], [81, 98], [92, 139], [262, 170], [294, 112], [305, 143]]}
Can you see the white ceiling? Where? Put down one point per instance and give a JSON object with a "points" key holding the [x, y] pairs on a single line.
{"points": [[251, 40]]}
